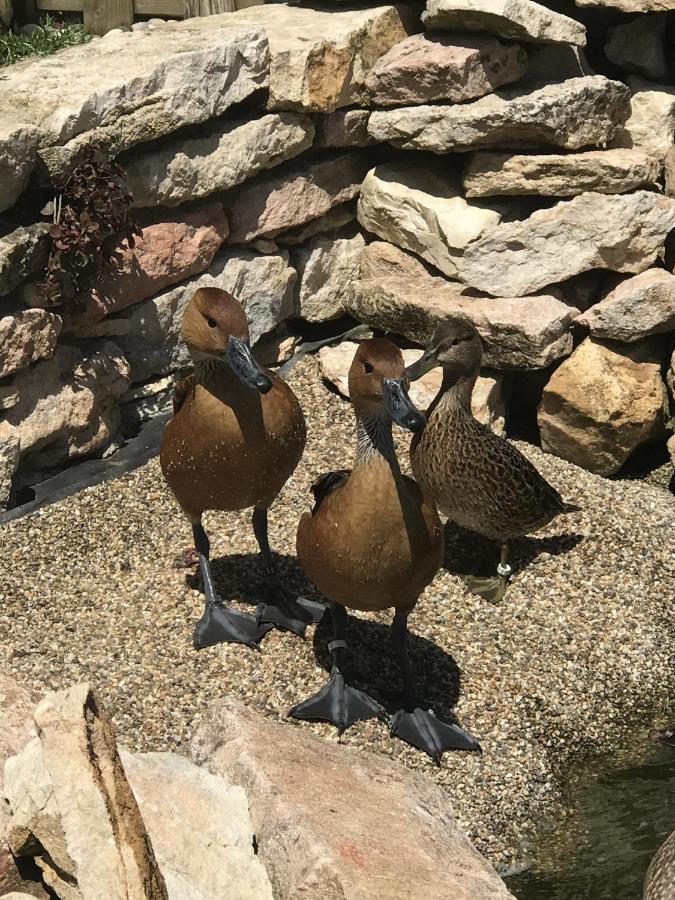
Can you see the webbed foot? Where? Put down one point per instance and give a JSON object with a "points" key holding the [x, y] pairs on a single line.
{"points": [[338, 703], [491, 589], [283, 609], [423, 730], [220, 624]]}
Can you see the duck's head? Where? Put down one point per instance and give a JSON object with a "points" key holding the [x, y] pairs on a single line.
{"points": [[455, 345], [215, 328], [378, 384]]}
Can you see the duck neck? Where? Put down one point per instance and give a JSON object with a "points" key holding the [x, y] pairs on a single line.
{"points": [[206, 367], [455, 393], [374, 440]]}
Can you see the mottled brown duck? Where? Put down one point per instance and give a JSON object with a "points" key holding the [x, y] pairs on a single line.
{"points": [[660, 878], [477, 478], [236, 436], [373, 542]]}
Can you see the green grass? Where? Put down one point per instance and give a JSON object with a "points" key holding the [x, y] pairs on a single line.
{"points": [[47, 38]]}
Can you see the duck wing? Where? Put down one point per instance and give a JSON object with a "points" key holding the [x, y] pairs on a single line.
{"points": [[323, 485], [182, 390]]}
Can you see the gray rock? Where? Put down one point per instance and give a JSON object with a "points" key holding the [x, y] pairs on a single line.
{"points": [[27, 337], [669, 172], [651, 123], [576, 113], [636, 308], [22, 252], [227, 154], [334, 220], [342, 128], [333, 823], [630, 6], [489, 174], [602, 403], [327, 270], [10, 451], [552, 63], [622, 232], [639, 46], [517, 19], [396, 293], [18, 152], [424, 68]]}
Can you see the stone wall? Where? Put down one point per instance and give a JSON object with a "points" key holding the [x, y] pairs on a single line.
{"points": [[504, 159]]}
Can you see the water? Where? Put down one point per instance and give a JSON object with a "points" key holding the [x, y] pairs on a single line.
{"points": [[622, 811]]}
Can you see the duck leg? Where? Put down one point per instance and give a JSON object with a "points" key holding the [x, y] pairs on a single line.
{"points": [[492, 588], [337, 702], [281, 607], [417, 726], [219, 624]]}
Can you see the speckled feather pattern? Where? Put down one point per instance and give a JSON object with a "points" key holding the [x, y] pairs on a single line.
{"points": [[660, 878]]}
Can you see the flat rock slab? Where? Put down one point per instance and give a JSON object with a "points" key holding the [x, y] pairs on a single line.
{"points": [[224, 156], [636, 308], [23, 251], [621, 232], [410, 206], [602, 403], [425, 68], [630, 6], [331, 823], [131, 87], [517, 19], [577, 113], [490, 174], [397, 293]]}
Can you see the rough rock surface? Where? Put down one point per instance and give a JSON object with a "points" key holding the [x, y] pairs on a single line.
{"points": [[327, 269], [630, 6], [167, 252], [149, 334], [67, 790], [10, 452], [621, 232], [488, 174], [487, 401], [423, 68], [334, 220], [18, 150], [26, 338], [519, 19], [651, 123], [331, 823], [287, 198], [200, 829], [22, 252], [639, 46], [342, 128], [576, 113], [397, 294], [221, 158], [130, 87], [636, 308], [418, 210], [669, 172], [68, 405], [602, 403], [553, 63]]}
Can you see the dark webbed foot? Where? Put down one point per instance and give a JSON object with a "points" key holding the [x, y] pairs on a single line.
{"points": [[421, 729], [219, 624], [283, 609], [491, 589], [338, 703]]}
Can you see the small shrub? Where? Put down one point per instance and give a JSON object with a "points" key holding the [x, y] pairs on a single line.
{"points": [[48, 37], [90, 216]]}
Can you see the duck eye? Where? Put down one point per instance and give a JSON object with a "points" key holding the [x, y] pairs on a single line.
{"points": [[454, 342], [211, 322], [368, 368]]}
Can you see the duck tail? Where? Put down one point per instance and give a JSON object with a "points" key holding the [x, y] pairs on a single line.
{"points": [[571, 508]]}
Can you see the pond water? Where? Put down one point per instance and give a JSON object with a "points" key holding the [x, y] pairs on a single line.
{"points": [[622, 809]]}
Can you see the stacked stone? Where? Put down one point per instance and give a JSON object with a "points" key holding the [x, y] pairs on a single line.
{"points": [[320, 162]]}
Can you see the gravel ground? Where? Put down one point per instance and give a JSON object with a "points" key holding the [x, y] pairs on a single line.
{"points": [[577, 659]]}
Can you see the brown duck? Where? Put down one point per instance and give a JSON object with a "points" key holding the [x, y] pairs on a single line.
{"points": [[236, 436], [477, 478], [372, 542]]}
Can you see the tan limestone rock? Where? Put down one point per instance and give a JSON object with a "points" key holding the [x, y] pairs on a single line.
{"points": [[651, 123], [327, 270], [517, 19], [635, 308], [23, 251], [27, 337]]}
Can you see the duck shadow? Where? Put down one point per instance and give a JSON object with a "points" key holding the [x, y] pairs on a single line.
{"points": [[468, 553], [238, 576]]}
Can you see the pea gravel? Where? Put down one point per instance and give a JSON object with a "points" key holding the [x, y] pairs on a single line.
{"points": [[577, 659]]}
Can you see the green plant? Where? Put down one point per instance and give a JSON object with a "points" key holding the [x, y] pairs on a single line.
{"points": [[48, 37], [91, 215]]}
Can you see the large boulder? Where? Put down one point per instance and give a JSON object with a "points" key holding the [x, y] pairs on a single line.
{"points": [[576, 113], [602, 403], [289, 197], [128, 88], [23, 251], [489, 174], [517, 19], [622, 232], [396, 293], [635, 308], [424, 68], [651, 123], [327, 268], [27, 337], [418, 210], [226, 154], [334, 823]]}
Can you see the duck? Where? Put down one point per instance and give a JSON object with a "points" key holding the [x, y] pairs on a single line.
{"points": [[373, 541], [659, 883], [477, 478], [236, 436]]}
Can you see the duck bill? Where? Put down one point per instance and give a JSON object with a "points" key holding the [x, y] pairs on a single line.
{"points": [[400, 407], [421, 366], [240, 359]]}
